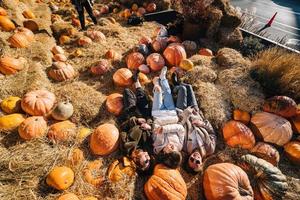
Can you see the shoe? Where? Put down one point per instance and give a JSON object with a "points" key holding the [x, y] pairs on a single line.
{"points": [[175, 79], [135, 76], [163, 73]]}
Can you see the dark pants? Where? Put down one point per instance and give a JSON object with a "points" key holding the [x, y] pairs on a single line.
{"points": [[185, 96], [89, 9]]}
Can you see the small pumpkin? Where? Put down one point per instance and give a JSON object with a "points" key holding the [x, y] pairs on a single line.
{"points": [[3, 12], [174, 39], [114, 103], [144, 69], [31, 25], [84, 41], [75, 22], [62, 71], [186, 64], [165, 184], [6, 24], [159, 44], [28, 14], [296, 123], [60, 178], [19, 40], [271, 128], [266, 152], [161, 31], [104, 9], [11, 122], [174, 54], [62, 131], [205, 52], [69, 196], [292, 150], [134, 60], [83, 133], [242, 116], [117, 170], [57, 50], [236, 134], [151, 7], [11, 105], [126, 13], [226, 181], [38, 102], [64, 39], [111, 54], [10, 65], [104, 140], [281, 105], [92, 173], [155, 61], [123, 77], [76, 157], [33, 127], [62, 111], [189, 46], [134, 7], [145, 40], [59, 58], [28, 33], [96, 35], [100, 68], [141, 11]]}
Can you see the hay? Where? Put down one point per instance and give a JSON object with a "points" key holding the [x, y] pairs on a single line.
{"points": [[230, 58], [205, 74]]}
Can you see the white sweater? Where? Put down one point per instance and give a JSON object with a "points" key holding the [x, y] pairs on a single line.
{"points": [[164, 117]]}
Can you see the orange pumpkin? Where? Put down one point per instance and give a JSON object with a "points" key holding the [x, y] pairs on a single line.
{"points": [[3, 12], [59, 58], [90, 198], [121, 168], [38, 102], [123, 77], [31, 25], [296, 123], [144, 79], [28, 14], [174, 54], [145, 40], [165, 184], [151, 7], [271, 128], [62, 131], [100, 68], [226, 181], [19, 40], [134, 60], [114, 103], [92, 173], [28, 33], [241, 116], [96, 35], [76, 157], [281, 105], [111, 54], [75, 22], [33, 127], [144, 69], [104, 140], [159, 44], [84, 41], [266, 152], [61, 71], [57, 50], [64, 39], [155, 61], [104, 9], [205, 52], [236, 134], [292, 150], [174, 39], [10, 65], [69, 196], [60, 178], [6, 24]]}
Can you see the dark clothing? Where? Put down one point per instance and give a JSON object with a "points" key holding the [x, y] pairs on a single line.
{"points": [[185, 96], [80, 5]]}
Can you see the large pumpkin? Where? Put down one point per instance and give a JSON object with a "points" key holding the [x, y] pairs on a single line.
{"points": [[104, 140], [268, 181], [19, 40], [165, 184], [123, 77], [11, 105], [69, 196], [100, 68], [6, 24], [63, 111], [11, 122], [266, 152], [92, 173], [226, 181], [271, 128], [62, 131], [292, 150], [174, 53], [61, 71], [114, 103], [236, 134], [38, 102], [134, 60], [155, 61], [32, 127], [118, 170], [10, 65], [28, 33], [296, 122], [281, 105], [60, 178]]}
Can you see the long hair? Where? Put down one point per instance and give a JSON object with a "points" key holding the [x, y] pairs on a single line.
{"points": [[171, 160]]}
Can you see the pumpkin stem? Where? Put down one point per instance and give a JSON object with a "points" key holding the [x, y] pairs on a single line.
{"points": [[244, 192]]}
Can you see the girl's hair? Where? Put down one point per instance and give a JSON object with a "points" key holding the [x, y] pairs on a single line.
{"points": [[171, 160]]}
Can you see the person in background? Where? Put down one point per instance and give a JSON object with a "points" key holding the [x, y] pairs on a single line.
{"points": [[88, 5]]}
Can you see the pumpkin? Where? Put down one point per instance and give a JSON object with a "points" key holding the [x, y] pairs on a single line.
{"points": [[266, 152], [90, 198], [268, 181], [10, 65], [92, 173], [61, 131], [145, 40], [271, 128], [296, 123], [174, 54], [144, 69], [241, 116], [111, 54], [77, 53], [134, 60], [155, 61], [174, 39], [226, 181], [104, 139], [28, 14], [165, 184], [186, 64], [64, 39], [144, 79], [159, 44], [60, 178], [281, 105], [62, 111], [151, 7], [118, 170], [104, 9], [84, 41], [292, 150], [11, 122], [61, 71], [114, 103], [76, 157], [69, 196], [59, 58], [189, 46], [31, 25], [28, 33], [96, 35], [19, 40], [141, 11], [205, 52], [134, 7], [11, 105], [33, 127], [3, 12], [38, 102], [236, 134], [6, 24], [100, 68], [75, 22], [123, 77], [57, 50], [83, 133]]}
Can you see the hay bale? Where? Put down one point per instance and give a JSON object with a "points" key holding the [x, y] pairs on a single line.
{"points": [[59, 28], [230, 58], [202, 73]]}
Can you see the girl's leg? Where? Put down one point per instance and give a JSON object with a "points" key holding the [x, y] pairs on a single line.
{"points": [[143, 103], [182, 100], [129, 100], [167, 94], [191, 98], [157, 96]]}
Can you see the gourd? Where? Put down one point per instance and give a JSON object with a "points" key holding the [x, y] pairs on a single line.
{"points": [[174, 54], [33, 127], [155, 61], [11, 122], [118, 170], [134, 60], [60, 178], [123, 77], [186, 64], [241, 116], [205, 52], [266, 152], [62, 131], [28, 14], [281, 105], [62, 71], [292, 150], [114, 103], [92, 173], [11, 105], [19, 40], [96, 35], [6, 24], [159, 44], [69, 196], [84, 41], [62, 111], [10, 65]]}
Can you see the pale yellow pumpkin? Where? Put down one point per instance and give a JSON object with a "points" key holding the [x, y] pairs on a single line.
{"points": [[11, 105], [11, 122], [186, 64], [83, 133]]}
